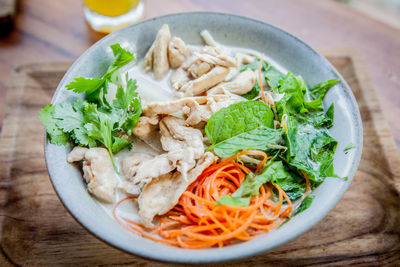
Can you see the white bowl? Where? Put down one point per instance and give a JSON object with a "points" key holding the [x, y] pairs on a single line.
{"points": [[283, 48]]}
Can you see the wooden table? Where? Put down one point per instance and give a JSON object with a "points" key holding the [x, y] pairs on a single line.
{"points": [[55, 30]]}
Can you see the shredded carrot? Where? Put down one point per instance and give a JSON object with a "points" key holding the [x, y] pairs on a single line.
{"points": [[196, 222]]}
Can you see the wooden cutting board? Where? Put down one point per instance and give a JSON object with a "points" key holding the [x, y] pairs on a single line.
{"points": [[363, 229]]}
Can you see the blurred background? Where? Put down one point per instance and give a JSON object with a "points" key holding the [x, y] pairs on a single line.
{"points": [[46, 31]]}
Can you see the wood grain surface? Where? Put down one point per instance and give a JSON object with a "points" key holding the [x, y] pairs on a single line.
{"points": [[362, 230], [56, 30]]}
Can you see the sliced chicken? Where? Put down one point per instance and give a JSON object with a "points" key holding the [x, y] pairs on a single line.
{"points": [[142, 170], [99, 174], [205, 82], [243, 83], [179, 78], [163, 193], [198, 69], [156, 58], [177, 52], [176, 135], [76, 154], [196, 109], [146, 127]]}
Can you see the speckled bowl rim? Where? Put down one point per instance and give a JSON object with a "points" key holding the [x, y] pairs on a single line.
{"points": [[194, 256]]}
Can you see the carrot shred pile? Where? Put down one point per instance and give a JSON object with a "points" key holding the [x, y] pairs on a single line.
{"points": [[197, 222]]}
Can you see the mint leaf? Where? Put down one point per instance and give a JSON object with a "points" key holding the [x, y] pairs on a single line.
{"points": [[309, 149], [238, 118], [279, 174], [305, 204], [273, 77], [259, 139], [292, 102], [319, 90], [56, 135]]}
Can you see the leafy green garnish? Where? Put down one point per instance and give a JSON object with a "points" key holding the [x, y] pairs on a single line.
{"points": [[349, 146], [305, 204], [318, 91], [273, 76], [237, 119], [260, 139], [96, 88], [309, 149], [93, 122], [46, 116], [293, 185], [293, 89]]}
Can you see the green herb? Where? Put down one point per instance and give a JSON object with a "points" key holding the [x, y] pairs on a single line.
{"points": [[349, 146], [237, 119], [94, 122], [46, 116], [96, 88], [305, 204], [260, 139], [292, 102], [309, 149], [273, 77], [293, 185]]}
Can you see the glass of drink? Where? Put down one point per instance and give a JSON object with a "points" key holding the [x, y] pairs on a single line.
{"points": [[110, 15]]}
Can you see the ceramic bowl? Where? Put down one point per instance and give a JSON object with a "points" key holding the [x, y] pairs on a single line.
{"points": [[283, 48]]}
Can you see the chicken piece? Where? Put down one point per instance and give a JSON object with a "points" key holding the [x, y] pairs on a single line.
{"points": [[243, 83], [142, 170], [130, 163], [205, 82], [156, 58], [179, 78], [175, 135], [163, 193], [76, 154], [99, 173], [196, 109], [177, 52], [146, 127], [198, 69]]}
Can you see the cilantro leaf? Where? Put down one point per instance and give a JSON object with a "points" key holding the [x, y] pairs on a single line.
{"points": [[56, 135], [97, 87]]}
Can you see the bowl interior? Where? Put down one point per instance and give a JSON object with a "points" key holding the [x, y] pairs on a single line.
{"points": [[284, 49]]}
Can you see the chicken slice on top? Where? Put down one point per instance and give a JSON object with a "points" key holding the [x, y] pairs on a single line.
{"points": [[163, 193]]}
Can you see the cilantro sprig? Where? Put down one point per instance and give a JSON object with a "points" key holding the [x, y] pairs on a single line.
{"points": [[94, 122]]}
